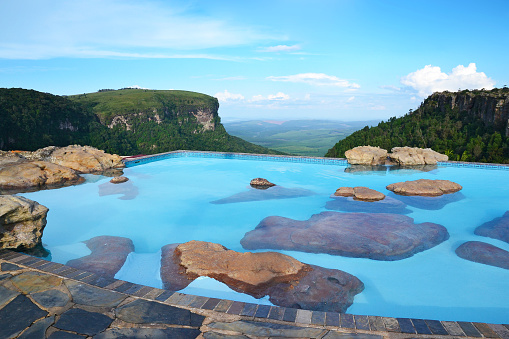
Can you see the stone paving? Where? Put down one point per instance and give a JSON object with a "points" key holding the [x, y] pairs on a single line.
{"points": [[42, 299]]}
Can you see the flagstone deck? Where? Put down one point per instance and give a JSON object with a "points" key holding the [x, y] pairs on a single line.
{"points": [[42, 299]]}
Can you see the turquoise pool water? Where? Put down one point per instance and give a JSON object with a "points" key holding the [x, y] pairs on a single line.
{"points": [[169, 201]]}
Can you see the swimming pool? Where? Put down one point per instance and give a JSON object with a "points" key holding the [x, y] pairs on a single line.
{"points": [[169, 201]]}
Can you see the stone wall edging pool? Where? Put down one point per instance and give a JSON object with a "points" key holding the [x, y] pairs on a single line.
{"points": [[264, 313]]}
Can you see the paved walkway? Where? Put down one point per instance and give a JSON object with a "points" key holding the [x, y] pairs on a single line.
{"points": [[42, 299]]}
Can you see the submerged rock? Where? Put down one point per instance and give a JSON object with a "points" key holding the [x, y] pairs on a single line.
{"points": [[379, 236], [127, 189], [349, 204], [109, 254], [286, 281], [276, 192], [22, 222], [410, 156], [261, 183], [30, 176], [497, 228], [425, 187], [484, 253], [366, 155]]}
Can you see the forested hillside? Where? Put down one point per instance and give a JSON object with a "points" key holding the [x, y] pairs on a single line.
{"points": [[126, 122], [466, 125]]}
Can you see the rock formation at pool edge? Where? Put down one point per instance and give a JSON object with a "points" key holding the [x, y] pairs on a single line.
{"points": [[285, 280], [379, 236]]}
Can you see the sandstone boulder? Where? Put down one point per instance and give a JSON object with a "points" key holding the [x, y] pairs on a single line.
{"points": [[349, 204], [410, 156], [497, 228], [118, 180], [109, 254], [261, 183], [484, 253], [366, 155], [285, 280], [30, 176], [276, 192], [22, 222], [344, 192], [359, 193], [379, 236], [425, 187]]}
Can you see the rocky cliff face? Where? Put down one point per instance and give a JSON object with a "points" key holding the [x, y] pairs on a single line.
{"points": [[491, 106]]}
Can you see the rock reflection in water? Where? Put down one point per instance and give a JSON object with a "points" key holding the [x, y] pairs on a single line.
{"points": [[429, 203], [383, 169], [128, 190]]}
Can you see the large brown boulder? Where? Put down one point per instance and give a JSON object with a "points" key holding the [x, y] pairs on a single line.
{"points": [[109, 254], [379, 236], [484, 253], [285, 280], [22, 222], [366, 155], [359, 193], [497, 228], [425, 187], [34, 175], [410, 156], [84, 159]]}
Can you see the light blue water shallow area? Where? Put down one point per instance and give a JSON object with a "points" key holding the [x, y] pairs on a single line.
{"points": [[172, 205]]}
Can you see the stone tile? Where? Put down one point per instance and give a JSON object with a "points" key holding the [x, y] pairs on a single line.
{"points": [[65, 335], [45, 265], [391, 324], [332, 319], [17, 315], [249, 310], [6, 295], [27, 260], [421, 327], [186, 300], [6, 267], [303, 316], [485, 330], [174, 298], [135, 288], [362, 322], [235, 308], [342, 335], [501, 330], [143, 291], [215, 335], [198, 302], [61, 269], [36, 263], [376, 323], [507, 326], [146, 312], [154, 293], [173, 333], [290, 314], [102, 281], [262, 311], [74, 274], [262, 329], [347, 321], [318, 318], [453, 328], [406, 325], [83, 322], [88, 278], [51, 298], [469, 329], [223, 306], [124, 287], [38, 329], [276, 313], [52, 267], [165, 295], [4, 276], [436, 327], [31, 282], [8, 255], [84, 294], [16, 257], [211, 303]]}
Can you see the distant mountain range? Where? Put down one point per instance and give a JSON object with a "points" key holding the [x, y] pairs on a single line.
{"points": [[465, 125], [126, 122], [301, 137]]}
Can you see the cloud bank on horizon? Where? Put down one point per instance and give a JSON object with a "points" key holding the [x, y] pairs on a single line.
{"points": [[332, 59]]}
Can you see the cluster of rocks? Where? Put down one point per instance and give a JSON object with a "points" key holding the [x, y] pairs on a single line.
{"points": [[359, 193], [403, 156]]}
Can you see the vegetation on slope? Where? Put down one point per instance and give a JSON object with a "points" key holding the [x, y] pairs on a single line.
{"points": [[460, 134]]}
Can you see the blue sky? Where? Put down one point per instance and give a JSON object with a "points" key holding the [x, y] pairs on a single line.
{"points": [[278, 59]]}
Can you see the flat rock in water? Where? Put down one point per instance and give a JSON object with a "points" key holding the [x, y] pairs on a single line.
{"points": [[429, 203], [128, 190], [367, 194], [425, 187], [276, 192], [119, 180], [484, 253], [497, 228], [261, 183], [349, 204], [378, 236], [108, 255]]}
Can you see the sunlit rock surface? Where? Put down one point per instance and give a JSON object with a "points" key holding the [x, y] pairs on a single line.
{"points": [[261, 183], [410, 156], [359, 193], [425, 187], [366, 155]]}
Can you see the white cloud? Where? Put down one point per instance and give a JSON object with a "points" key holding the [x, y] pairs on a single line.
{"points": [[227, 96], [350, 99], [136, 87], [281, 48], [114, 28], [431, 79], [316, 79], [279, 96]]}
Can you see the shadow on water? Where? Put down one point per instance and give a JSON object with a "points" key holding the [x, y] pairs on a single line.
{"points": [[128, 190], [385, 169], [348, 204], [429, 203], [275, 192]]}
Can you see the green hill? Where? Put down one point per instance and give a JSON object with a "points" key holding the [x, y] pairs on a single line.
{"points": [[465, 125], [128, 121]]}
